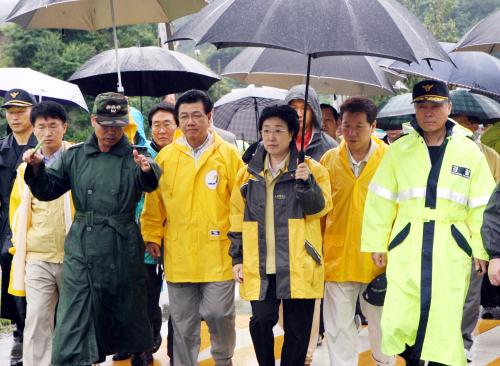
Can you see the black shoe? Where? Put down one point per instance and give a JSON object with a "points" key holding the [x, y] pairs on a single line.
{"points": [[121, 356], [139, 359], [16, 353], [156, 344]]}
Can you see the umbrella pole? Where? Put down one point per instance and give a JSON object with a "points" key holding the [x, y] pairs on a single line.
{"points": [[120, 88], [306, 97], [256, 117]]}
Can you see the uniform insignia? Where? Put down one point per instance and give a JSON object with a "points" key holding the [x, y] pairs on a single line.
{"points": [[14, 94], [427, 87], [460, 171]]}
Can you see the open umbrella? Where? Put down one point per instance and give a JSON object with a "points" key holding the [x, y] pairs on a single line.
{"points": [[346, 75], [484, 36], [239, 110], [93, 15], [399, 108], [146, 71], [477, 71], [44, 87], [315, 28]]}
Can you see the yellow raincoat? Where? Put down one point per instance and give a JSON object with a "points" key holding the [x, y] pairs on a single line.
{"points": [[342, 236], [297, 213], [428, 218], [190, 210]]}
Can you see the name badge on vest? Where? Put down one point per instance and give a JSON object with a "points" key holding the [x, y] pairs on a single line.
{"points": [[460, 171]]}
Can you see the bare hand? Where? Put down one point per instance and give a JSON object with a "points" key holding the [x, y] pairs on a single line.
{"points": [[32, 158], [142, 162], [494, 271], [379, 259], [153, 249], [302, 172], [238, 273], [481, 266]]}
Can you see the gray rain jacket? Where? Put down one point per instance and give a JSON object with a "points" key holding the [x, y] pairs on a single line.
{"points": [[320, 142]]}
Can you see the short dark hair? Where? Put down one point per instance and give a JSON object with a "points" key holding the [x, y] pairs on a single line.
{"points": [[283, 112], [48, 109], [194, 96], [332, 108], [162, 106], [360, 104]]}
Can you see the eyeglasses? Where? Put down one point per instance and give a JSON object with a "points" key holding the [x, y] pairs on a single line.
{"points": [[277, 132], [164, 126]]}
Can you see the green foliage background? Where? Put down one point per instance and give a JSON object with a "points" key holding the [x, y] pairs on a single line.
{"points": [[60, 52]]}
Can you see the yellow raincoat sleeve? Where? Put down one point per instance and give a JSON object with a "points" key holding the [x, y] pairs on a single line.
{"points": [[237, 207], [380, 207], [482, 186], [153, 217], [15, 202]]}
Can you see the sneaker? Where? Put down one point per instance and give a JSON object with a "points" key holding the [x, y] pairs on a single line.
{"points": [[121, 356], [16, 353]]}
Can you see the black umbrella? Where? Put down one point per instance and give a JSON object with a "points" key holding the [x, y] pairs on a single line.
{"points": [[146, 71], [484, 36], [345, 75], [316, 28], [477, 71]]}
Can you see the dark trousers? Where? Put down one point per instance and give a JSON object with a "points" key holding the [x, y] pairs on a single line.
{"points": [[413, 362], [297, 322], [490, 295], [154, 281], [12, 307]]}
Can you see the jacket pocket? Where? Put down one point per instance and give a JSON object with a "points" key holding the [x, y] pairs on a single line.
{"points": [[400, 237], [460, 240]]}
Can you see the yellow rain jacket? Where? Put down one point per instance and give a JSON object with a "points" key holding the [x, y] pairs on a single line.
{"points": [[342, 236], [428, 218], [190, 210], [298, 242], [20, 219]]}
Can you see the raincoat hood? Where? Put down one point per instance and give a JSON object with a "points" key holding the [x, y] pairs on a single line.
{"points": [[299, 92]]}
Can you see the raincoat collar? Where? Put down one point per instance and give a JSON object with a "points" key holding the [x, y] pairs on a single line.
{"points": [[450, 127], [121, 148], [8, 141]]}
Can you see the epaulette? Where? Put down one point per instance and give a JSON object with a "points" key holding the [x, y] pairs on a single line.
{"points": [[80, 144]]}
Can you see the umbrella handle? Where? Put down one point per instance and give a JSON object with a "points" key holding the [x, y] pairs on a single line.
{"points": [[302, 153]]}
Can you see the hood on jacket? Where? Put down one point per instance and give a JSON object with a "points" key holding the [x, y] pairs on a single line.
{"points": [[299, 92]]}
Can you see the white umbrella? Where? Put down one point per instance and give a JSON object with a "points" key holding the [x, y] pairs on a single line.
{"points": [[44, 87], [93, 15]]}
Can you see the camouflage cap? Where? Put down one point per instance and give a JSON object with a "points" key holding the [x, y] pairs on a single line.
{"points": [[111, 109], [18, 98]]}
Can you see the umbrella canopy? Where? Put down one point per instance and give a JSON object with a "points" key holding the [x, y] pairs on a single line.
{"points": [[239, 110], [474, 105], [151, 71], [395, 111], [315, 28], [43, 86], [474, 70], [93, 15], [399, 108], [346, 75], [483, 37]]}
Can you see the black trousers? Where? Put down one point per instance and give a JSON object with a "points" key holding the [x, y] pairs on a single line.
{"points": [[297, 322], [490, 295], [154, 280], [413, 362], [11, 307]]}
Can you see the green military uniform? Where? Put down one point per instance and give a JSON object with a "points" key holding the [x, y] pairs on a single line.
{"points": [[103, 306]]}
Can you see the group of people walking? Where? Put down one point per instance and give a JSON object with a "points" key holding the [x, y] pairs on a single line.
{"points": [[288, 230]]}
